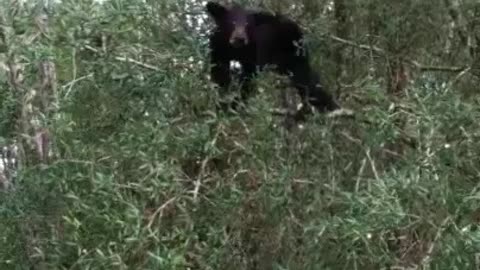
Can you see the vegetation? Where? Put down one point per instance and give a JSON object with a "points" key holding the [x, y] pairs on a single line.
{"points": [[124, 163]]}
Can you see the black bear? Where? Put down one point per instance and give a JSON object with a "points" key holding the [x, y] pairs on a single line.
{"points": [[258, 39]]}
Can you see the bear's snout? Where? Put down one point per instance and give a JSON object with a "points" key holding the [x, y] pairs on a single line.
{"points": [[239, 36]]}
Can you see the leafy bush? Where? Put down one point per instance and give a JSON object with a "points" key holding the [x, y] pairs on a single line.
{"points": [[149, 176]]}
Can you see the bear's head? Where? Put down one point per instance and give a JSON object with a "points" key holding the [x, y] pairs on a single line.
{"points": [[234, 21]]}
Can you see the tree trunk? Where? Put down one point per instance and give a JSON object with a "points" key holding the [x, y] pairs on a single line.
{"points": [[341, 29]]}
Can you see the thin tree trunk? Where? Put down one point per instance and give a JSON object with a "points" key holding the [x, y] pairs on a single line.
{"points": [[341, 29]]}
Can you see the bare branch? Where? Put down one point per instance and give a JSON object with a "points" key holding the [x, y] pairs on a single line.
{"points": [[360, 46], [126, 59], [412, 62], [436, 68], [159, 211]]}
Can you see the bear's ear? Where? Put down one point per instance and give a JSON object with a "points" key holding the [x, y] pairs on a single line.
{"points": [[216, 10]]}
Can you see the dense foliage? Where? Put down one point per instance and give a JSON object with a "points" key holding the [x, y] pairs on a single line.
{"points": [[143, 173]]}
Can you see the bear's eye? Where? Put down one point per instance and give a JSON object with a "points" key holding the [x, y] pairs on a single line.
{"points": [[242, 24]]}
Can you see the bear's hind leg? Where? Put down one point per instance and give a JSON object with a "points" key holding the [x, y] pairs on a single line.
{"points": [[310, 88]]}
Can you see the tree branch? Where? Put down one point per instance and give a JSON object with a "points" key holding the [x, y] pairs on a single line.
{"points": [[126, 59], [412, 62]]}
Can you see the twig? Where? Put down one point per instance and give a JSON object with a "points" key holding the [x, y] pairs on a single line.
{"points": [[159, 211], [412, 62], [332, 114], [126, 59], [428, 257], [70, 84], [74, 72], [341, 112], [359, 177], [354, 44], [281, 112], [130, 60], [352, 139], [459, 76], [364, 161], [436, 68], [198, 182], [372, 164]]}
